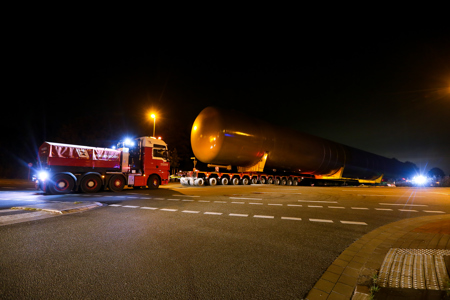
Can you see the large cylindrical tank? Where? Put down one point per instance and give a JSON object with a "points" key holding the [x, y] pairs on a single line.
{"points": [[226, 137]]}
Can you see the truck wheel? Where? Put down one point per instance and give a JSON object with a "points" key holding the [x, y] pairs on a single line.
{"points": [[199, 182], [224, 181], [116, 183], [245, 181], [263, 180], [235, 181], [277, 181], [212, 181], [254, 180], [289, 182], [153, 182], [91, 184], [270, 180], [283, 181], [295, 182], [61, 184]]}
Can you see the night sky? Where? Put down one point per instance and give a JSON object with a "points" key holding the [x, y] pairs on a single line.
{"points": [[383, 91]]}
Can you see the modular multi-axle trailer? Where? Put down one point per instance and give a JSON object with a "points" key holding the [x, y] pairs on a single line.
{"points": [[65, 168], [259, 152]]}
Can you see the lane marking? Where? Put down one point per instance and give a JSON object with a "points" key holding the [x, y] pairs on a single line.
{"points": [[291, 218], [340, 207], [297, 205], [263, 217], [361, 208], [184, 196], [132, 197], [212, 213], [220, 201], [402, 204], [434, 211], [275, 204], [240, 198], [173, 199], [238, 215], [316, 206], [161, 199], [151, 208], [168, 209], [387, 209], [191, 211], [410, 210], [116, 205], [321, 220], [130, 206], [146, 198], [312, 201], [187, 200], [255, 203], [238, 202], [204, 201], [353, 223]]}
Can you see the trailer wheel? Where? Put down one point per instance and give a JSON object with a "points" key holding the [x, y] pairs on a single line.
{"points": [[116, 183], [61, 184], [199, 182], [254, 180], [283, 181], [212, 181], [224, 181], [295, 182], [289, 182], [245, 181], [153, 182], [91, 184], [270, 180], [263, 180], [235, 181], [277, 181]]}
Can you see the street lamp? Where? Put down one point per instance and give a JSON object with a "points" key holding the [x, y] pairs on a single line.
{"points": [[154, 122]]}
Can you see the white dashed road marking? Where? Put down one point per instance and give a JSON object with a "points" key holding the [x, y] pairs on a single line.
{"points": [[291, 218], [402, 204], [321, 220], [168, 209], [238, 215], [191, 211], [151, 208], [340, 207], [312, 201], [240, 198], [130, 206], [353, 223], [362, 208], [185, 196], [434, 211], [263, 217], [212, 213]]}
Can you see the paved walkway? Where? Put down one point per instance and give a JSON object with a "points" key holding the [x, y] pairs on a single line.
{"points": [[351, 274]]}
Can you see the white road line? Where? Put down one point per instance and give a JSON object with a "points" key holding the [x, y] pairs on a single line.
{"points": [[402, 204], [387, 209], [353, 223], [239, 198], [361, 208], [116, 205], [311, 201], [275, 204], [238, 215], [238, 202], [146, 198], [298, 205], [130, 206], [291, 218], [220, 201], [255, 203], [410, 210], [191, 211], [173, 199], [204, 201], [187, 200], [185, 196], [160, 199], [151, 208], [321, 220], [316, 206], [212, 213], [263, 217], [340, 207], [168, 209], [434, 211], [131, 197]]}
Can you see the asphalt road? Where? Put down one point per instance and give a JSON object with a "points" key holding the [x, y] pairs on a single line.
{"points": [[233, 242]]}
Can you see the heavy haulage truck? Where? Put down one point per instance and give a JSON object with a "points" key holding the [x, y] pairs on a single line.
{"points": [[253, 151], [65, 168]]}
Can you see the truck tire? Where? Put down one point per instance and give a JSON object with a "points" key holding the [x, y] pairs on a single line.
{"points": [[212, 181], [224, 181], [277, 181], [283, 181], [235, 181], [289, 182], [199, 182], [254, 180], [116, 183], [263, 180], [295, 182], [153, 182], [245, 181], [91, 183], [61, 184]]}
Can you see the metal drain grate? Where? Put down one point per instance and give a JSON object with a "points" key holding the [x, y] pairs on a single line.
{"points": [[414, 268]]}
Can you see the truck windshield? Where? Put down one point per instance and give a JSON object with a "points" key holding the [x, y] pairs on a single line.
{"points": [[158, 152]]}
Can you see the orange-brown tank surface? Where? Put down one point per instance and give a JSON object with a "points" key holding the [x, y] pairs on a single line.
{"points": [[226, 137]]}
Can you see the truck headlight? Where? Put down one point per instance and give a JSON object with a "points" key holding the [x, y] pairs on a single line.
{"points": [[42, 175]]}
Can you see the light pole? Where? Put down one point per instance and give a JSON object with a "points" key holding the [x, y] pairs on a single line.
{"points": [[154, 123]]}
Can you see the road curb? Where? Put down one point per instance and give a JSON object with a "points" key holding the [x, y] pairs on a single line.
{"points": [[357, 265]]}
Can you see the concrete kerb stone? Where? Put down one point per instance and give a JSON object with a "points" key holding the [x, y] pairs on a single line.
{"points": [[364, 264]]}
